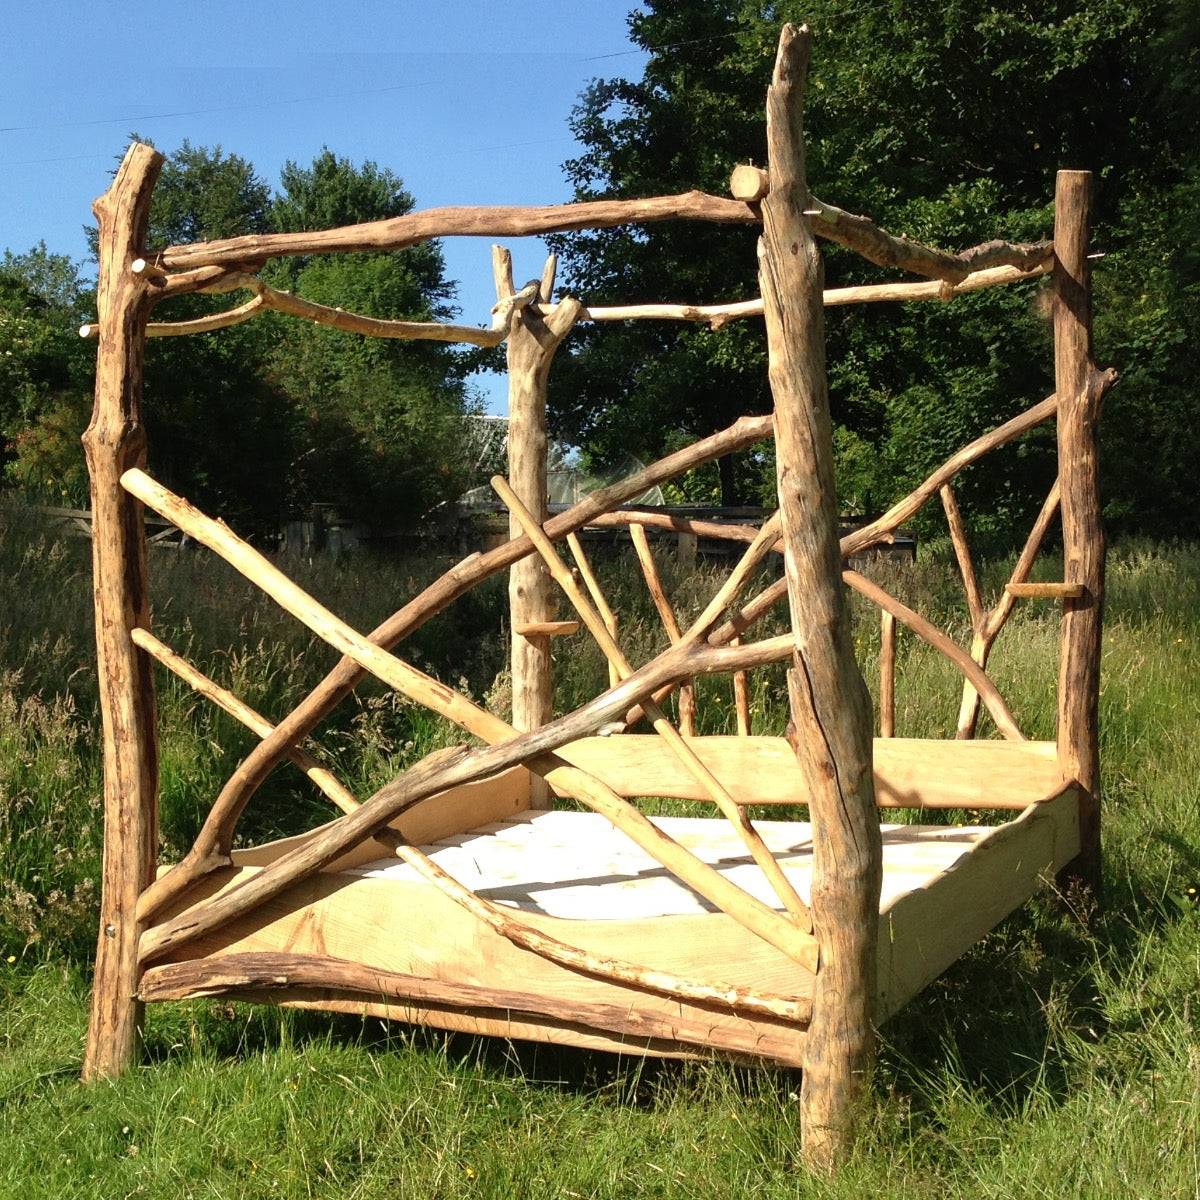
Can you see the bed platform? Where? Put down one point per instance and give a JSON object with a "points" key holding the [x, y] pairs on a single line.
{"points": [[518, 884], [572, 874]]}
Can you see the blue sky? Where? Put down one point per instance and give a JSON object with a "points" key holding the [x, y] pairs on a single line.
{"points": [[468, 102]]}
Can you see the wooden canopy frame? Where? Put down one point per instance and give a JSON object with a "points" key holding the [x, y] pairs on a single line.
{"points": [[807, 977]]}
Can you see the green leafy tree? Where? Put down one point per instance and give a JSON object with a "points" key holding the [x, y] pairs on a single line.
{"points": [[260, 420], [945, 123], [382, 418], [44, 372]]}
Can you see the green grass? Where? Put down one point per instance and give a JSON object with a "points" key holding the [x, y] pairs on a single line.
{"points": [[1050, 1061]]}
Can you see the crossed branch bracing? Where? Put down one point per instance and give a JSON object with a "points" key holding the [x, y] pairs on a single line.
{"points": [[689, 655]]}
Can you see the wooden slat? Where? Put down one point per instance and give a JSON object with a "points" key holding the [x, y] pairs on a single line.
{"points": [[1045, 590], [926, 928], [546, 629], [909, 772]]}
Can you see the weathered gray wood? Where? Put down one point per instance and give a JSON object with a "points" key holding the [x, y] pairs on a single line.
{"points": [[114, 441], [830, 707], [1079, 386]]}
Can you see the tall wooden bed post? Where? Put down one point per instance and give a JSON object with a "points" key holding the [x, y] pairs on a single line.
{"points": [[114, 441], [1079, 387], [831, 721], [531, 345]]}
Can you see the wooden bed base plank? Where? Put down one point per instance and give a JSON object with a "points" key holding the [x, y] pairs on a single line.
{"points": [[409, 929], [927, 929], [785, 1049], [453, 811], [909, 772], [411, 998]]}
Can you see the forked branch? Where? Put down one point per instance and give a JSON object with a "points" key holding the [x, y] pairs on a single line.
{"points": [[679, 747], [213, 843]]}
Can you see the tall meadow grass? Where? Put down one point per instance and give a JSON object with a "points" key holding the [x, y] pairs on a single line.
{"points": [[1055, 1059]]}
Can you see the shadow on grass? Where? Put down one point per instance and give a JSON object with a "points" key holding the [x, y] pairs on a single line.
{"points": [[234, 1032]]}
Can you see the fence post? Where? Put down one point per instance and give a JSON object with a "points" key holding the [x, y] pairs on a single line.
{"points": [[532, 342], [1077, 385], [831, 717], [114, 441]]}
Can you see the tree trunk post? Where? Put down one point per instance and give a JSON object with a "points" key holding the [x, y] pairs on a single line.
{"points": [[114, 441], [1077, 385], [831, 717], [532, 342]]}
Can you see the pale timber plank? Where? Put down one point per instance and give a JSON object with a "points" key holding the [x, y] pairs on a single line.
{"points": [[909, 772]]}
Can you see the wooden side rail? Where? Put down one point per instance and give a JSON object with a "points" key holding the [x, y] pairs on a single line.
{"points": [[395, 233], [909, 772]]}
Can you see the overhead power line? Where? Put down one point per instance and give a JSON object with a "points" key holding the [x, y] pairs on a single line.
{"points": [[201, 112]]}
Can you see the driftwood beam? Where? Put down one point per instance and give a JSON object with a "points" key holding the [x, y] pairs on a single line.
{"points": [[258, 972], [995, 619], [887, 673], [666, 614], [962, 552], [604, 611], [862, 235], [115, 440], [1046, 590], [830, 708], [1080, 386], [533, 341], [547, 629], [848, 229], [395, 233], [719, 315]]}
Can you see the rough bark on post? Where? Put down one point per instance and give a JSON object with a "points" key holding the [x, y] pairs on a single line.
{"points": [[115, 441], [831, 715], [1079, 387], [532, 342]]}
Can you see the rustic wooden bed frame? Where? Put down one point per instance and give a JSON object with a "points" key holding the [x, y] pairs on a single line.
{"points": [[780, 941]]}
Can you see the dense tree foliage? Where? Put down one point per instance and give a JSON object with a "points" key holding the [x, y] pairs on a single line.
{"points": [[945, 123], [263, 419], [387, 415], [45, 369]]}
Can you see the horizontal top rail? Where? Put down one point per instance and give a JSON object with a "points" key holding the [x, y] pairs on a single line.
{"points": [[266, 298], [502, 220], [851, 230]]}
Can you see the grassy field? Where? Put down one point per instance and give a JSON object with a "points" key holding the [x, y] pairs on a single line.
{"points": [[1048, 1062]]}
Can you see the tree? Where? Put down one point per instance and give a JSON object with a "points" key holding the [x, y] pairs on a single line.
{"points": [[382, 418], [944, 124], [263, 419], [44, 372]]}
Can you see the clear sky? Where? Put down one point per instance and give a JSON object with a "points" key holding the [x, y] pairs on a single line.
{"points": [[466, 101]]}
